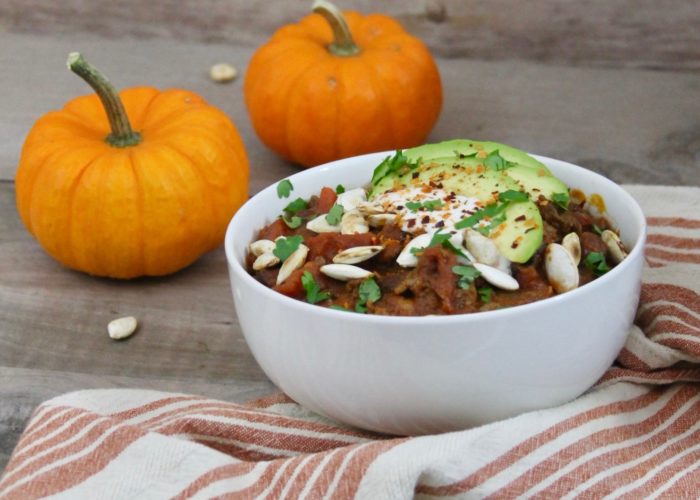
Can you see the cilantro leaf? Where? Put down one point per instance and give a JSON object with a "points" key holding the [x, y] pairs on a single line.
{"points": [[443, 239], [313, 290], [334, 215], [392, 164], [471, 220], [467, 275], [369, 292], [432, 204], [512, 195], [595, 261], [561, 199], [296, 206], [496, 161], [284, 188], [413, 206], [597, 230], [284, 247], [292, 223], [339, 189], [493, 224], [485, 294]]}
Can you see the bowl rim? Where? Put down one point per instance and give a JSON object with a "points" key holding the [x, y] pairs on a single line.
{"points": [[241, 273]]}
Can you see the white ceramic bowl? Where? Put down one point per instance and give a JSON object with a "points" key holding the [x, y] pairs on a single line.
{"points": [[422, 375]]}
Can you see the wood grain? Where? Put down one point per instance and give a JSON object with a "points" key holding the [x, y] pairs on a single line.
{"points": [[617, 33], [634, 125]]}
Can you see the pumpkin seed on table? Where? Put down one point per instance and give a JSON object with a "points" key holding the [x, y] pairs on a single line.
{"points": [[223, 73], [122, 328]]}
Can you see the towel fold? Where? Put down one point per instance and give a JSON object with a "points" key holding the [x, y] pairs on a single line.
{"points": [[636, 434]]}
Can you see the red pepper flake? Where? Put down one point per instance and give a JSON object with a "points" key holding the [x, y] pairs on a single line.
{"points": [[425, 219], [415, 175], [440, 223], [520, 218], [410, 222]]}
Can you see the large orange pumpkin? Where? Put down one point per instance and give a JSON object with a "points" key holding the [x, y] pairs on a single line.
{"points": [[337, 85], [112, 200]]}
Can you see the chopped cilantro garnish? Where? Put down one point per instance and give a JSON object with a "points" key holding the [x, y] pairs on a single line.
{"points": [[293, 222], [413, 206], [597, 230], [471, 220], [485, 293], [313, 290], [595, 261], [369, 292], [334, 215], [496, 161], [284, 247], [561, 199], [443, 240], [392, 164], [493, 224], [339, 189], [432, 204], [296, 206], [512, 195], [284, 188], [467, 275]]}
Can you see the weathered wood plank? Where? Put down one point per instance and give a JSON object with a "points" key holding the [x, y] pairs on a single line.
{"points": [[635, 125], [619, 33], [22, 390], [55, 319]]}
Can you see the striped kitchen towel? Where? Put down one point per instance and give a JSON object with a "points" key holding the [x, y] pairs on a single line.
{"points": [[635, 435]]}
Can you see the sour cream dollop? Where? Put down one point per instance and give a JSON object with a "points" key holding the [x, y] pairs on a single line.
{"points": [[427, 210]]}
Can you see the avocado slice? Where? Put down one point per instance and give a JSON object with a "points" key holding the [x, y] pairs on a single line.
{"points": [[466, 147], [466, 176], [536, 184], [519, 235]]}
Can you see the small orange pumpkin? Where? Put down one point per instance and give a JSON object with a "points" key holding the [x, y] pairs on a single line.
{"points": [[337, 85], [112, 200]]}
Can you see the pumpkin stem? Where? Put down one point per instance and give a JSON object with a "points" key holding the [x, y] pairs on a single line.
{"points": [[122, 134], [343, 44]]}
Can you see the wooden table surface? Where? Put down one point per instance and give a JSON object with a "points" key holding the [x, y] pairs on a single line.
{"points": [[613, 86]]}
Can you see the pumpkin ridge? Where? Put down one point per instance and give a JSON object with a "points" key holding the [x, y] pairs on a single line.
{"points": [[38, 169], [208, 200], [181, 112], [140, 208], [291, 84], [147, 108], [71, 196], [378, 86]]}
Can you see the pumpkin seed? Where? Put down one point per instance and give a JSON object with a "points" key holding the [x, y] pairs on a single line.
{"points": [[222, 73], [260, 247], [350, 200], [265, 260], [379, 220], [122, 328], [562, 271], [572, 243], [345, 272], [353, 223], [615, 246], [406, 258], [293, 262], [496, 277], [483, 248], [370, 208], [321, 225], [355, 255]]}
